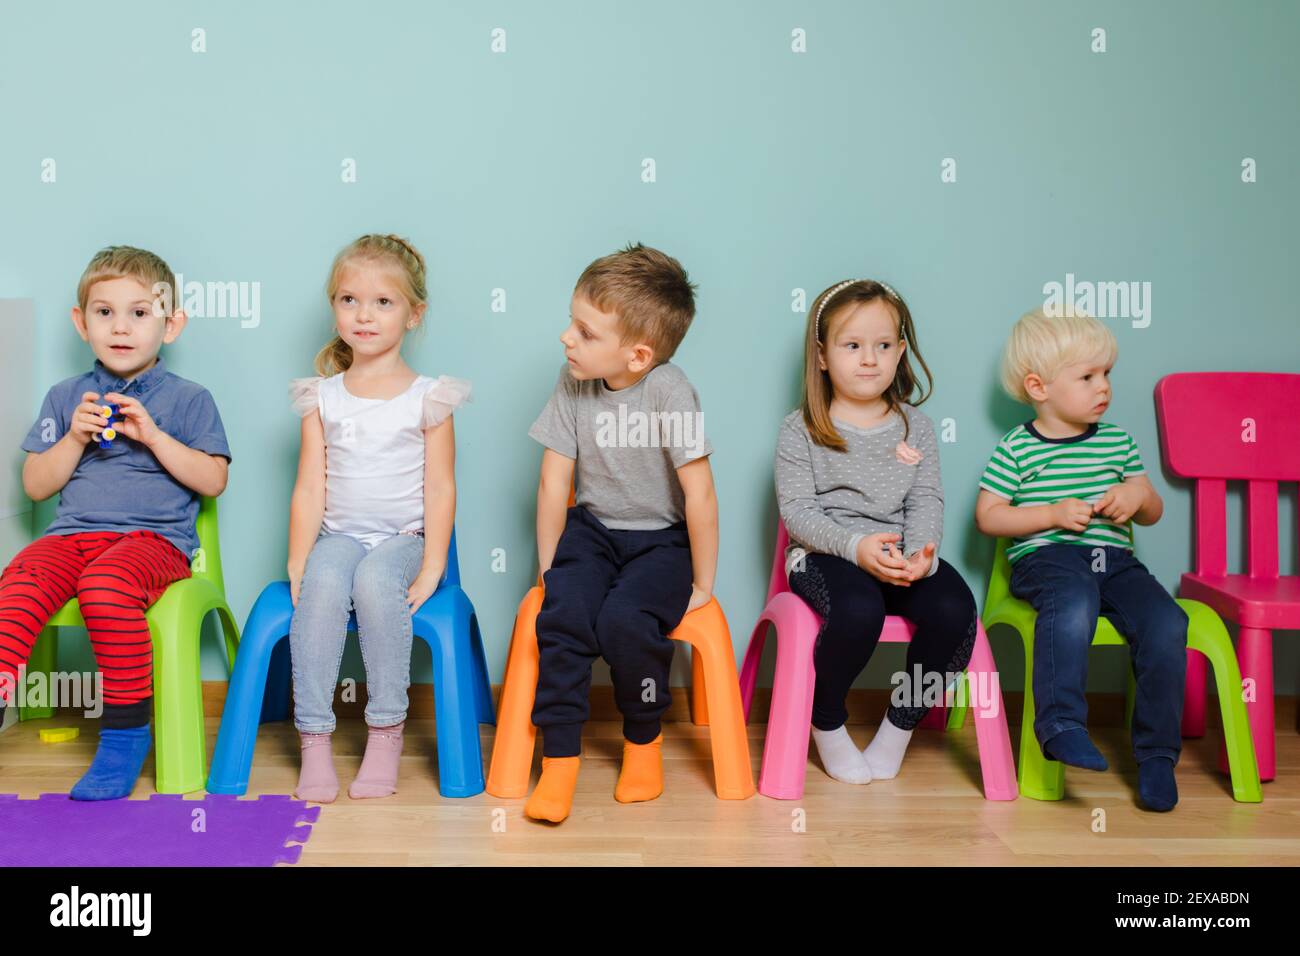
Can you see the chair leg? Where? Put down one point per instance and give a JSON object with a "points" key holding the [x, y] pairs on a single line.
{"points": [[1255, 659], [1040, 778], [961, 703], [512, 750], [992, 737], [1207, 635], [277, 697], [43, 660], [230, 633], [785, 748], [1194, 703], [180, 746], [444, 624], [266, 629], [710, 640], [484, 711], [936, 718], [699, 691], [749, 667]]}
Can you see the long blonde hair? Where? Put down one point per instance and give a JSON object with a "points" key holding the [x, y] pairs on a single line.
{"points": [[337, 355], [817, 389]]}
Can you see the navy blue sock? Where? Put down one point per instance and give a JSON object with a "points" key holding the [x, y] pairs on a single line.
{"points": [[117, 764], [1075, 749], [1156, 786]]}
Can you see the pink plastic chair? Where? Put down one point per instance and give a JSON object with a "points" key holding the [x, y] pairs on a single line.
{"points": [[785, 753], [1218, 427]]}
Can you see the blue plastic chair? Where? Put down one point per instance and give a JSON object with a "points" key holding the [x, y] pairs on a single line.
{"points": [[461, 693]]}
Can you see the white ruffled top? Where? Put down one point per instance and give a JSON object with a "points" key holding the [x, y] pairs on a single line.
{"points": [[374, 451]]}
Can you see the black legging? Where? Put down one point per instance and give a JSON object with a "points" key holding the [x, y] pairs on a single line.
{"points": [[853, 604]]}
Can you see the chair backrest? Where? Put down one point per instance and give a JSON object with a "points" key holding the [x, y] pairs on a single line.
{"points": [[1217, 427], [206, 563], [778, 582], [1000, 577], [452, 575]]}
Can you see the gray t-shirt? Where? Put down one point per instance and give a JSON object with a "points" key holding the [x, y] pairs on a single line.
{"points": [[829, 500], [628, 444]]}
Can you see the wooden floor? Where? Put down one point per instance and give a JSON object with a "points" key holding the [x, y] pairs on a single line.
{"points": [[934, 813]]}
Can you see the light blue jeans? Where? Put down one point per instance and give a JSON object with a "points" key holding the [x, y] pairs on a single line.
{"points": [[339, 576]]}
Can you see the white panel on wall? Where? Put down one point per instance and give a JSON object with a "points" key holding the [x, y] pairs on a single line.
{"points": [[16, 324], [16, 389]]}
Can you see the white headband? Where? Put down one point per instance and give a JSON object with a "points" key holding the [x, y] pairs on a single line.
{"points": [[836, 290]]}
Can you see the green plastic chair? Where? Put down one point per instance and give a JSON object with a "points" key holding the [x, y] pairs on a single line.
{"points": [[175, 623], [1044, 779]]}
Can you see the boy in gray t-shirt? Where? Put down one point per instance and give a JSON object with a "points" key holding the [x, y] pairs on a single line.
{"points": [[639, 548]]}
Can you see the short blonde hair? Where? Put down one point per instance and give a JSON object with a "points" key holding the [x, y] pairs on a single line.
{"points": [[1044, 345], [650, 293], [118, 262]]}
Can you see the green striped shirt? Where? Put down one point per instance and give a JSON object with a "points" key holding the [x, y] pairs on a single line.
{"points": [[1029, 469]]}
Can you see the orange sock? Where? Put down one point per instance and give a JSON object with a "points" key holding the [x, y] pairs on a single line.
{"points": [[642, 776], [553, 797]]}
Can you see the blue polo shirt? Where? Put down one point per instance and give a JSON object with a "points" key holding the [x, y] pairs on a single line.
{"points": [[124, 487]]}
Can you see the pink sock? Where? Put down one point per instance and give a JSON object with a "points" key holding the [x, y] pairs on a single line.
{"points": [[378, 774], [317, 781]]}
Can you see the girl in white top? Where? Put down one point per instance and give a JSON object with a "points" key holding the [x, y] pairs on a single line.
{"points": [[372, 510]]}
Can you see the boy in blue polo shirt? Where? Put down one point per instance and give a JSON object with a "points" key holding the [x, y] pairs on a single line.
{"points": [[129, 496]]}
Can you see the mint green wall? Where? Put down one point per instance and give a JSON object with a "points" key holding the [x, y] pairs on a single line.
{"points": [[776, 170]]}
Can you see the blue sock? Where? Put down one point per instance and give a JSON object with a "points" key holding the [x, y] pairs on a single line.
{"points": [[1156, 786], [117, 764], [1075, 748]]}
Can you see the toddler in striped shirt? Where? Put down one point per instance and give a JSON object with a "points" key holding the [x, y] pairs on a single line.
{"points": [[1064, 487]]}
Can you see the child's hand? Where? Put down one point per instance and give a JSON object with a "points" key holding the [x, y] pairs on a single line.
{"points": [[1121, 502], [881, 565], [699, 598], [87, 422], [918, 564], [1072, 514], [295, 583], [422, 588], [137, 424]]}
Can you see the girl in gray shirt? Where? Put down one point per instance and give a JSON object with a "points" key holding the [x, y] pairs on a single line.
{"points": [[859, 491]]}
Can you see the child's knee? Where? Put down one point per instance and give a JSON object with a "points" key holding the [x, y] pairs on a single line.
{"points": [[1073, 616], [326, 582], [374, 587], [1167, 632]]}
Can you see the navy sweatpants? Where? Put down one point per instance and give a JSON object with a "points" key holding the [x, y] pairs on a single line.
{"points": [[617, 595]]}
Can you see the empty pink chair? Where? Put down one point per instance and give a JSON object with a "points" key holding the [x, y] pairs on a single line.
{"points": [[1217, 427], [785, 752]]}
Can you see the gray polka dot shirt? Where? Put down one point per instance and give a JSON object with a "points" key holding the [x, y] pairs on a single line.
{"points": [[830, 500]]}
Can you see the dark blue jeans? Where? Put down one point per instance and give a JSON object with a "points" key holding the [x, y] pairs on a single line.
{"points": [[1069, 585], [613, 594]]}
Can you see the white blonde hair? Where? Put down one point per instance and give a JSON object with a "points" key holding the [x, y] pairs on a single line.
{"points": [[1044, 345]]}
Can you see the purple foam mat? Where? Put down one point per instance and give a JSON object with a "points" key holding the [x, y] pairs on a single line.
{"points": [[165, 830]]}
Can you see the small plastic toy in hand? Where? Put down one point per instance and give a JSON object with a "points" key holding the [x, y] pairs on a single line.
{"points": [[112, 413]]}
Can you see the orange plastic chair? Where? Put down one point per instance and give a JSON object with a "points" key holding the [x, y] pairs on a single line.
{"points": [[715, 690]]}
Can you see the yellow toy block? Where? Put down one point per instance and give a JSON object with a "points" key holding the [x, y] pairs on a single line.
{"points": [[59, 734]]}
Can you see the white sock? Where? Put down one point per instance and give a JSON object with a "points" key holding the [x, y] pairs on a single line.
{"points": [[884, 755], [840, 755]]}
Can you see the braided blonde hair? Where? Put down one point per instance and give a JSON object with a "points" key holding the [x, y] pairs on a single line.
{"points": [[387, 249]]}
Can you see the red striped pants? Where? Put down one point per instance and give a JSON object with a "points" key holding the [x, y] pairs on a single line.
{"points": [[114, 576]]}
